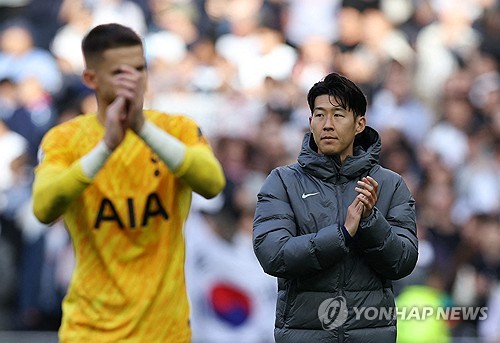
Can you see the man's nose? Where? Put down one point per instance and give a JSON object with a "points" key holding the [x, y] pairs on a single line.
{"points": [[328, 123]]}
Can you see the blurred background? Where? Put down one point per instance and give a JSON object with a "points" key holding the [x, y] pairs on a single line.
{"points": [[242, 69]]}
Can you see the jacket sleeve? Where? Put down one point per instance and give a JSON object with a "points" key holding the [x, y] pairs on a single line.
{"points": [[390, 243], [281, 251]]}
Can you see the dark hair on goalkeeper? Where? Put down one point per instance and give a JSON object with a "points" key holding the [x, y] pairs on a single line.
{"points": [[108, 36]]}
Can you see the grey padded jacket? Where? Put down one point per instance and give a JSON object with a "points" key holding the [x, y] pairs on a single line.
{"points": [[297, 237]]}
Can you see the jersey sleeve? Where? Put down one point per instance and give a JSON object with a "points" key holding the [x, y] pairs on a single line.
{"points": [[200, 168], [59, 177]]}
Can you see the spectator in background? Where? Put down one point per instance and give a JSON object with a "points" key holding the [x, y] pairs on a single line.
{"points": [[213, 21], [478, 272], [76, 17], [271, 149], [382, 42], [8, 97], [15, 186], [478, 181], [442, 232], [226, 306], [44, 16], [14, 148], [20, 58], [166, 48], [10, 9], [350, 28], [442, 46], [422, 14], [401, 156], [315, 59], [274, 59], [125, 12], [9, 272], [455, 116], [175, 17], [241, 46], [396, 106], [206, 71], [306, 20], [13, 151], [33, 116], [488, 329], [39, 303]]}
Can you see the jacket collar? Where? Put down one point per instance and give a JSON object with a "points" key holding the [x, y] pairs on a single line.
{"points": [[367, 147]]}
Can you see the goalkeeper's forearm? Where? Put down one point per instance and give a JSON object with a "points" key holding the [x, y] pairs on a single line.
{"points": [[55, 187], [196, 165]]}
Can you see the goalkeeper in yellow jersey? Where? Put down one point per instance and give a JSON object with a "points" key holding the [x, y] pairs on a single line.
{"points": [[122, 180]]}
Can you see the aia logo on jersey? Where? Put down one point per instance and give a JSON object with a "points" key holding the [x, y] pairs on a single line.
{"points": [[133, 216]]}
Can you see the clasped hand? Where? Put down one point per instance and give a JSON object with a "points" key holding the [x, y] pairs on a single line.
{"points": [[362, 205], [125, 112]]}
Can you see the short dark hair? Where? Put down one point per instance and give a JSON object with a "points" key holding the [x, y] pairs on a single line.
{"points": [[108, 36], [343, 90]]}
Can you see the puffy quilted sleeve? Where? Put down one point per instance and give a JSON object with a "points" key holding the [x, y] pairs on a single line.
{"points": [[389, 242], [281, 251]]}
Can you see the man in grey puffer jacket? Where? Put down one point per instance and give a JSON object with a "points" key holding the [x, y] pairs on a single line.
{"points": [[336, 227]]}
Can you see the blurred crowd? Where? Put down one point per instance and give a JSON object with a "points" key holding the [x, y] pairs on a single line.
{"points": [[242, 69]]}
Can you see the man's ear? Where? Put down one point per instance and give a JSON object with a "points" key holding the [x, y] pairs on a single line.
{"points": [[360, 124], [88, 77], [310, 120]]}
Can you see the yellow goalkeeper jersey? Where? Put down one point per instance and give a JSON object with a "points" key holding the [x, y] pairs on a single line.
{"points": [[127, 229]]}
